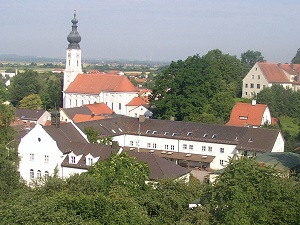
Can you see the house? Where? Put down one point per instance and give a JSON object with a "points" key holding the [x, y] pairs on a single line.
{"points": [[85, 112], [265, 74], [161, 168], [32, 116], [249, 115], [114, 89], [188, 144], [138, 107], [283, 161], [62, 149]]}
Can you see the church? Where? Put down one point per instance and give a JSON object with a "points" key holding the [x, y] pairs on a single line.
{"points": [[79, 89]]}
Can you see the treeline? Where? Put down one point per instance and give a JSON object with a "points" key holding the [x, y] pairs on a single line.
{"points": [[114, 192]]}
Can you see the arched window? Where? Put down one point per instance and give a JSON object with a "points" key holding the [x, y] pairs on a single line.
{"points": [[46, 174], [38, 174], [31, 174]]}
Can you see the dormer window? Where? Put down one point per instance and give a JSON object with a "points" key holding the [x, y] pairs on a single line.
{"points": [[214, 136], [90, 161], [72, 160], [166, 133], [174, 134], [243, 117], [250, 140], [189, 133], [148, 131], [154, 132], [205, 135]]}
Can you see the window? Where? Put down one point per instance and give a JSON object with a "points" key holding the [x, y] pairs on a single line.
{"points": [[72, 159], [246, 85], [221, 150], [112, 106], [38, 174], [203, 148], [209, 148], [258, 86], [205, 135], [246, 93], [131, 143], [31, 158], [154, 145], [46, 174], [245, 153], [148, 145], [46, 158], [189, 133], [258, 77], [184, 146], [90, 161], [252, 76], [77, 63], [137, 143], [166, 147], [31, 174], [120, 106], [221, 162], [191, 147], [172, 147], [251, 85]]}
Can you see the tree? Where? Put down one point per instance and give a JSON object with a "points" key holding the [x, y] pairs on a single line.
{"points": [[9, 176], [32, 101], [92, 134], [251, 57], [24, 84], [296, 59], [251, 193], [121, 170], [185, 89]]}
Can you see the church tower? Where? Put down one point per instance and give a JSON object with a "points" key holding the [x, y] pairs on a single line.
{"points": [[73, 57]]}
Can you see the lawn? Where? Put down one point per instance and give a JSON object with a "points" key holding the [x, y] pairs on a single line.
{"points": [[290, 124]]}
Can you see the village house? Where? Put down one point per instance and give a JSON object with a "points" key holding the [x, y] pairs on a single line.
{"points": [[250, 115], [264, 74]]}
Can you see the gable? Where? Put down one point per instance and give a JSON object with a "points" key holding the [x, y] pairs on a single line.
{"points": [[97, 83], [245, 114]]}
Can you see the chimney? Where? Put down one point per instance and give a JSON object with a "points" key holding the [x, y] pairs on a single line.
{"points": [[253, 102], [292, 66], [279, 65]]}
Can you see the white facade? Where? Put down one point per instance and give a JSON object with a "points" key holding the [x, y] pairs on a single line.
{"points": [[221, 152], [73, 66], [136, 111], [39, 155], [115, 100]]}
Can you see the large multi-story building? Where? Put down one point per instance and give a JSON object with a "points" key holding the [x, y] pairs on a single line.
{"points": [[265, 74]]}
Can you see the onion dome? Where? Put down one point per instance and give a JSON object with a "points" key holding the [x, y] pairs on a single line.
{"points": [[74, 37]]}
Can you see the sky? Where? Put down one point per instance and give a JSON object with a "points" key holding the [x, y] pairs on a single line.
{"points": [[157, 30]]}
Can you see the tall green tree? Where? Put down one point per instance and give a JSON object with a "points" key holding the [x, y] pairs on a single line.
{"points": [[32, 101], [186, 88], [9, 176], [296, 59], [251, 57], [24, 84]]}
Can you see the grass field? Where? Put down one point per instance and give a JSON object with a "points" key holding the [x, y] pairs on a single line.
{"points": [[290, 124]]}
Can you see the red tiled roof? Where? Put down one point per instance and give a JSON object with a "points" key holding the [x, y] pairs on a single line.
{"points": [[83, 118], [97, 83], [136, 101], [100, 108], [251, 114], [273, 72], [291, 68]]}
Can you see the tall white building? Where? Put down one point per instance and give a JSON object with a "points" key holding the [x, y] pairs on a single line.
{"points": [[73, 55]]}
